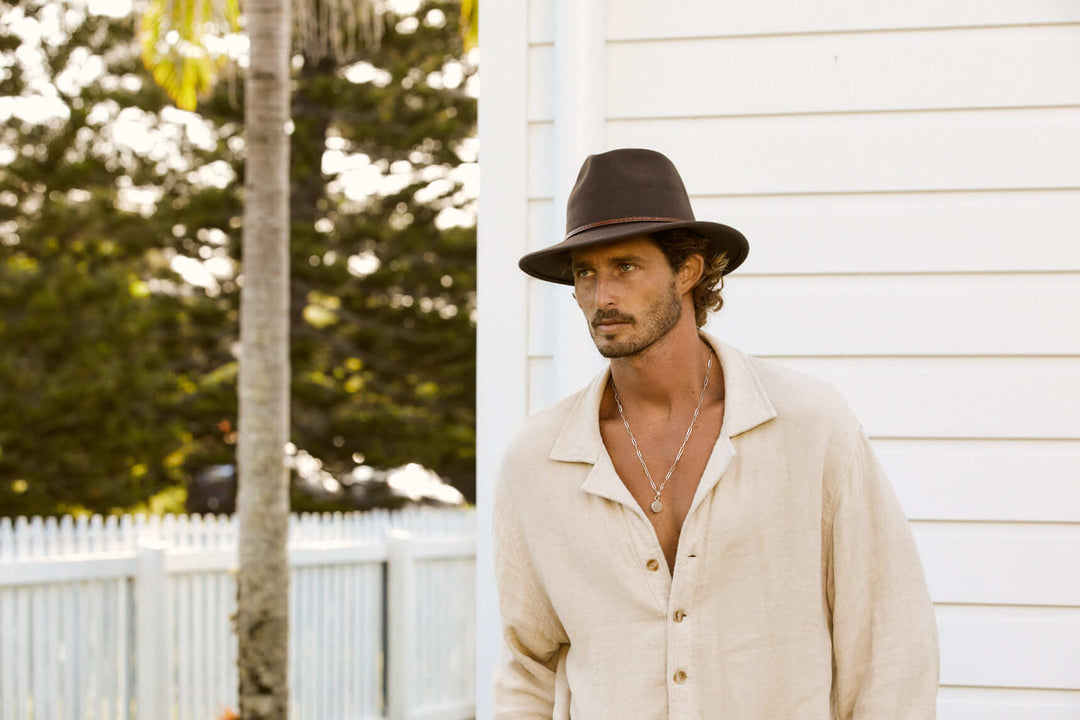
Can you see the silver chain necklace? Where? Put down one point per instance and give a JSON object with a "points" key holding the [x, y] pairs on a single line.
{"points": [[657, 506]]}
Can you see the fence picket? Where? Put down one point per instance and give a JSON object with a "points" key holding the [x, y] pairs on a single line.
{"points": [[7, 539], [96, 534], [93, 649], [22, 679], [112, 533], [108, 662], [125, 661], [7, 638], [199, 637], [348, 658]]}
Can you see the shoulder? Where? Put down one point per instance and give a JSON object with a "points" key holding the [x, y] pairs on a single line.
{"points": [[815, 423], [799, 393], [809, 405], [770, 388]]}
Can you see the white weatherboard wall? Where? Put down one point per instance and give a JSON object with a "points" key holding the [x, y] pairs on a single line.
{"points": [[908, 175]]}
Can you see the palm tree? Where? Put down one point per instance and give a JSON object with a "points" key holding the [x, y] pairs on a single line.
{"points": [[263, 501], [176, 46]]}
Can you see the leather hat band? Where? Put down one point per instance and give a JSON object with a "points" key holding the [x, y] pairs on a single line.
{"points": [[615, 221]]}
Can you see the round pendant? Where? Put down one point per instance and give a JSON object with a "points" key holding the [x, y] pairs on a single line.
{"points": [[657, 506]]}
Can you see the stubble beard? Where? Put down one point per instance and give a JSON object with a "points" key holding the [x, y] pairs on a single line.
{"points": [[657, 321]]}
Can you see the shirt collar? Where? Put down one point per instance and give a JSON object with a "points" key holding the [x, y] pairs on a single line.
{"points": [[746, 405]]}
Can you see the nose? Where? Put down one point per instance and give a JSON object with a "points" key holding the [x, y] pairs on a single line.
{"points": [[604, 291]]}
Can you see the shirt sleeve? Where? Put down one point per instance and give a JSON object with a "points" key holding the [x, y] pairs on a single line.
{"points": [[525, 675], [884, 631]]}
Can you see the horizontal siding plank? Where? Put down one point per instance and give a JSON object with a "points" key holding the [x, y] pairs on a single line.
{"points": [[957, 397], [1007, 704], [1000, 563], [996, 480], [985, 67], [999, 149], [934, 232], [1010, 646], [902, 314], [636, 19]]}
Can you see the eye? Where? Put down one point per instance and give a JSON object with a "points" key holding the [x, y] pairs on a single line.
{"points": [[626, 266], [583, 272]]}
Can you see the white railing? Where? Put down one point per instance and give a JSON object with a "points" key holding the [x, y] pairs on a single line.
{"points": [[130, 618]]}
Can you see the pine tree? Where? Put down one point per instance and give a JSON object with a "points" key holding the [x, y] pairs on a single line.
{"points": [[117, 373]]}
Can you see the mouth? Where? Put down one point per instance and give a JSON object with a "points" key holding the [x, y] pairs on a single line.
{"points": [[609, 326]]}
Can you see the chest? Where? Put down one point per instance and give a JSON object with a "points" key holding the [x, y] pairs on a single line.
{"points": [[659, 441]]}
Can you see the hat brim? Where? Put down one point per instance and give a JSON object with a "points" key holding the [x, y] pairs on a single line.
{"points": [[553, 263]]}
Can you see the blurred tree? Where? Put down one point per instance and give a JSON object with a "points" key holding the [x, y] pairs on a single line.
{"points": [[102, 341], [119, 390]]}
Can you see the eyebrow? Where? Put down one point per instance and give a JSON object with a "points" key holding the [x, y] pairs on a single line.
{"points": [[576, 264]]}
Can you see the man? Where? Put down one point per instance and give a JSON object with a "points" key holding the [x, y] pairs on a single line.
{"points": [[697, 533]]}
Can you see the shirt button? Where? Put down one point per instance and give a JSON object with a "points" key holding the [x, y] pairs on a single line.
{"points": [[653, 565], [679, 615], [680, 677]]}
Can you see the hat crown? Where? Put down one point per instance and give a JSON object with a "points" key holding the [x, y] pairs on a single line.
{"points": [[626, 185]]}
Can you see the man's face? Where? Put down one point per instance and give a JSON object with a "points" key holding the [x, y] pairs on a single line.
{"points": [[628, 294]]}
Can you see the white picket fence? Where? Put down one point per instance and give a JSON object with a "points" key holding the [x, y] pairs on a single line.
{"points": [[126, 618]]}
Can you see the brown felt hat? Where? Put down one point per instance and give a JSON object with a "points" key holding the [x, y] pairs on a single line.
{"points": [[625, 193]]}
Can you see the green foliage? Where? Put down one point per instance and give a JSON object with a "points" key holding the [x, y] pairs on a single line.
{"points": [[117, 371], [470, 23], [174, 38]]}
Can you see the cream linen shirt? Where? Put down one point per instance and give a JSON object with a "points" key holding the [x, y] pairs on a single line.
{"points": [[797, 592]]}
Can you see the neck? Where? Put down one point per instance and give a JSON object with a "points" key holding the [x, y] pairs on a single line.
{"points": [[670, 372]]}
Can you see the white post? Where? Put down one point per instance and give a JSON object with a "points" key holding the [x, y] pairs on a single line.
{"points": [[401, 626], [580, 69], [501, 291], [153, 653]]}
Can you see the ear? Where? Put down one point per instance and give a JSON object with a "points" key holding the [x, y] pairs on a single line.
{"points": [[691, 272]]}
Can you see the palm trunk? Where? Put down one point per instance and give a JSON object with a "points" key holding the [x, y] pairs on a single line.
{"points": [[263, 502]]}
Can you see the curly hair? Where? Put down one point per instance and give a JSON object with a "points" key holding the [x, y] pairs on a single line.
{"points": [[678, 245]]}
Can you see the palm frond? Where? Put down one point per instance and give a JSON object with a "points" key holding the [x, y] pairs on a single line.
{"points": [[178, 48], [470, 23], [334, 28]]}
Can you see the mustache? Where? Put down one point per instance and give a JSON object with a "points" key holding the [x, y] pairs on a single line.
{"points": [[602, 316]]}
